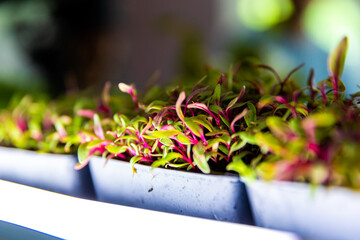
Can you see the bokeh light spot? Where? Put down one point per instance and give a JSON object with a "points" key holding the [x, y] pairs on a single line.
{"points": [[261, 15], [326, 22]]}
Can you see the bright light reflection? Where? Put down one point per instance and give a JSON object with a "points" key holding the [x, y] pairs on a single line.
{"points": [[73, 218], [261, 15], [326, 22]]}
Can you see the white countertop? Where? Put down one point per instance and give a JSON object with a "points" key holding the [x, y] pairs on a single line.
{"points": [[73, 218]]}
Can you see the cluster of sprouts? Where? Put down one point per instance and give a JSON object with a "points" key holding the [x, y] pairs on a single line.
{"points": [[249, 120]]}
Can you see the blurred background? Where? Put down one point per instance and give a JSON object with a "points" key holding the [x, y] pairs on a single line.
{"points": [[60, 46]]}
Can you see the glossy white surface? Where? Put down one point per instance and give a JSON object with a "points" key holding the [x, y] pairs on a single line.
{"points": [[72, 218]]}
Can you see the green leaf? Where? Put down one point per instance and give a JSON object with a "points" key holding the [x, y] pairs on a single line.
{"points": [[215, 108], [70, 141], [224, 120], [202, 120], [233, 101], [217, 94], [136, 148], [99, 132], [131, 137], [189, 167], [200, 158], [83, 152], [214, 141], [183, 139], [278, 127], [159, 116], [117, 119], [240, 156], [250, 117], [179, 101], [336, 59], [198, 91], [282, 106], [138, 119], [324, 119], [134, 160], [260, 126], [149, 137], [287, 114], [226, 138], [240, 167], [302, 111], [166, 133], [237, 118], [116, 149], [95, 143], [169, 157], [59, 126], [166, 141], [194, 127], [179, 165], [217, 132], [341, 86], [147, 126], [267, 142], [201, 106], [248, 137], [236, 146], [224, 149], [157, 105], [329, 82], [159, 163], [295, 125], [155, 145], [265, 100], [240, 104]]}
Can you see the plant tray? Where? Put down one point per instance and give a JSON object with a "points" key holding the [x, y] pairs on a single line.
{"points": [[217, 197], [53, 172], [320, 213]]}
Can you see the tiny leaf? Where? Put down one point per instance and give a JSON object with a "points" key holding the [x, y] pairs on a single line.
{"points": [[194, 127], [99, 132], [183, 139], [179, 101], [336, 59], [83, 152], [169, 157], [200, 158], [165, 133], [115, 149]]}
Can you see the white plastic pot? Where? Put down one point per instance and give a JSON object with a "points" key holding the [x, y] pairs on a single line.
{"points": [[207, 196], [320, 213], [53, 172]]}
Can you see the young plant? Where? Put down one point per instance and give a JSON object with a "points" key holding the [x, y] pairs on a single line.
{"points": [[204, 130], [250, 120]]}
